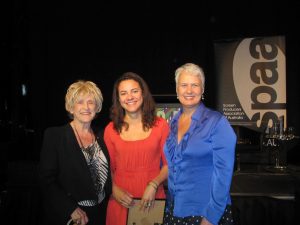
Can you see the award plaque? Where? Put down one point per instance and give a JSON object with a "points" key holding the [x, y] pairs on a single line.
{"points": [[153, 217]]}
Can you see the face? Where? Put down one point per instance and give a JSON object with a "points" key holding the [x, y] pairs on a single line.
{"points": [[84, 109], [189, 89], [130, 96]]}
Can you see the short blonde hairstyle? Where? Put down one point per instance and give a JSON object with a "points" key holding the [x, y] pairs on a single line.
{"points": [[79, 88], [193, 69]]}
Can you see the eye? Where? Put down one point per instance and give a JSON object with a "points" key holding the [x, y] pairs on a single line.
{"points": [[195, 85], [183, 85], [79, 102]]}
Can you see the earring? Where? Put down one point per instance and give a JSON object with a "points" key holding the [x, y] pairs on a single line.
{"points": [[202, 97], [177, 97]]}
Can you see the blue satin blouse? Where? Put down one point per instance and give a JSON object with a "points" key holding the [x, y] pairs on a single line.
{"points": [[201, 165]]}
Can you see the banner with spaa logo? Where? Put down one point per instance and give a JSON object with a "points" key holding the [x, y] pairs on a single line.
{"points": [[251, 80]]}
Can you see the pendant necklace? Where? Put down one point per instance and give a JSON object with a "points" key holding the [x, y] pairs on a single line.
{"points": [[89, 149]]}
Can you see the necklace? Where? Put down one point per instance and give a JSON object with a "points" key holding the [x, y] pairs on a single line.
{"points": [[90, 148]]}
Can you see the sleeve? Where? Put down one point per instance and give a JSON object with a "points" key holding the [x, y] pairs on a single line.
{"points": [[110, 146], [49, 168], [165, 132], [223, 141]]}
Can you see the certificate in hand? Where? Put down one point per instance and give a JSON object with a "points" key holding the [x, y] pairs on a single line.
{"points": [[153, 217]]}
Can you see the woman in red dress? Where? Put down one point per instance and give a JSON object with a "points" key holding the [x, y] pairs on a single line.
{"points": [[135, 139]]}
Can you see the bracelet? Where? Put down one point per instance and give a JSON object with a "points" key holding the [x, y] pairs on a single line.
{"points": [[153, 184]]}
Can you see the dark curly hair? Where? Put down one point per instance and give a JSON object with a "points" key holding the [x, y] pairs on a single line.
{"points": [[117, 113]]}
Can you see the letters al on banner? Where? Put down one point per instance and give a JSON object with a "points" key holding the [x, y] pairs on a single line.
{"points": [[251, 76]]}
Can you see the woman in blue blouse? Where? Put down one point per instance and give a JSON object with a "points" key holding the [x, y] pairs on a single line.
{"points": [[200, 154]]}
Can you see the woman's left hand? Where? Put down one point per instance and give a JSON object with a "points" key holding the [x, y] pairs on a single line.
{"points": [[148, 198], [205, 222]]}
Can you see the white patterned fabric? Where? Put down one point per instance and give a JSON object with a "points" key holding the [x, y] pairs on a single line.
{"points": [[98, 167]]}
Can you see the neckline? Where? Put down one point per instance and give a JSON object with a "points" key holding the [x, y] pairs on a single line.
{"points": [[143, 139], [79, 138]]}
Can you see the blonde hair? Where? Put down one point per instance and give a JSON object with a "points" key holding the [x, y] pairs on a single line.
{"points": [[193, 69], [82, 87]]}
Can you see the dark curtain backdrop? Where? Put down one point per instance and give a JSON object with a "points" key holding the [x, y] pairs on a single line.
{"points": [[50, 44]]}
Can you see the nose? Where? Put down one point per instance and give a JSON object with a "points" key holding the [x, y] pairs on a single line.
{"points": [[86, 105], [129, 96], [189, 88]]}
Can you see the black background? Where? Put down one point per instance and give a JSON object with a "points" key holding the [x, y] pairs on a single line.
{"points": [[47, 45]]}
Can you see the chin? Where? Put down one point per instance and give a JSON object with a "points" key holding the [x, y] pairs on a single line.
{"points": [[190, 105]]}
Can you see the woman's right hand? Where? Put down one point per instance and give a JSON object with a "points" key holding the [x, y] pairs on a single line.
{"points": [[205, 222], [122, 196], [79, 217]]}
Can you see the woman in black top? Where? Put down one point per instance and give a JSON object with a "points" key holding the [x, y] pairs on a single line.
{"points": [[74, 163]]}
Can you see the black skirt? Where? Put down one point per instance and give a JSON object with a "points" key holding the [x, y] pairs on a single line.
{"points": [[170, 219]]}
